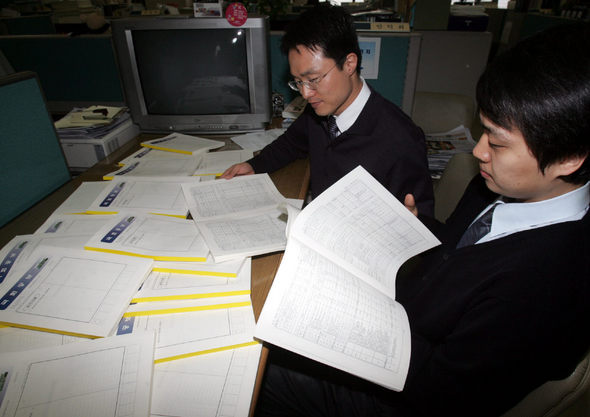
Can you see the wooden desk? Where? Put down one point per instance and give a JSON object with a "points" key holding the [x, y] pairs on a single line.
{"points": [[292, 181]]}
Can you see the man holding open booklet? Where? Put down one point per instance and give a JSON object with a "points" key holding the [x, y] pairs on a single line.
{"points": [[486, 317]]}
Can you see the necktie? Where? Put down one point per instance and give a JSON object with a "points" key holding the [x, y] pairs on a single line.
{"points": [[332, 127], [478, 228]]}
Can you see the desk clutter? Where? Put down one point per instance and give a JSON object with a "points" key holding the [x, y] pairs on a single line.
{"points": [[442, 146], [155, 264], [89, 134]]}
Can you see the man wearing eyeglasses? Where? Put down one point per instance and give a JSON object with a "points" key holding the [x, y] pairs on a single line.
{"points": [[345, 123]]}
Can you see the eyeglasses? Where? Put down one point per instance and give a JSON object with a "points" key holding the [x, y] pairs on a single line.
{"points": [[297, 85]]}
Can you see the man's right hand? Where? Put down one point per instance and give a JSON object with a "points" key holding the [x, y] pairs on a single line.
{"points": [[243, 168]]}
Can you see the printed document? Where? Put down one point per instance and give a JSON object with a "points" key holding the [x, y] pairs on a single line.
{"points": [[70, 291], [159, 168], [183, 334], [105, 377], [185, 144], [141, 195], [20, 247], [333, 298], [189, 280], [82, 198], [150, 154], [219, 384], [214, 163], [244, 216], [74, 224], [161, 238]]}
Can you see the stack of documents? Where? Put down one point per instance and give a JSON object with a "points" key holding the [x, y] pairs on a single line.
{"points": [[93, 122], [442, 146], [121, 263]]}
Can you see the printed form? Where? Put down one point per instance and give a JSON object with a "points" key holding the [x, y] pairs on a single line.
{"points": [[110, 376], [219, 384], [333, 298], [185, 280], [244, 216], [162, 238], [71, 291], [143, 196], [189, 333]]}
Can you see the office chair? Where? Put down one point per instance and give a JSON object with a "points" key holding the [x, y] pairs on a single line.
{"points": [[554, 397]]}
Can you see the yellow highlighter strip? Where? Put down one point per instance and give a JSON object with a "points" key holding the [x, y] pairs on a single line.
{"points": [[192, 272], [203, 352], [160, 148], [186, 309], [154, 257], [189, 296], [42, 329]]}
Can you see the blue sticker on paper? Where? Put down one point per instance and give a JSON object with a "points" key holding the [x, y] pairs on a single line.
{"points": [[119, 228], [10, 258], [112, 195], [54, 227], [22, 283], [125, 325]]}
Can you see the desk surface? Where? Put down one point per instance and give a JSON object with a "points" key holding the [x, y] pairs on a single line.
{"points": [[291, 181]]}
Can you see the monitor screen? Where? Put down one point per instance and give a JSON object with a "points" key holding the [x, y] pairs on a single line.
{"points": [[194, 74]]}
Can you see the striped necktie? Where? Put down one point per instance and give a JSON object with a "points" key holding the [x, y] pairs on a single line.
{"points": [[478, 228], [332, 127]]}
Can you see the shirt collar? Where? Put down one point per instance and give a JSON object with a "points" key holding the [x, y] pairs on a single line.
{"points": [[346, 119], [512, 217]]}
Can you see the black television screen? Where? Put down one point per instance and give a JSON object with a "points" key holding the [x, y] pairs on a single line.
{"points": [[194, 74]]}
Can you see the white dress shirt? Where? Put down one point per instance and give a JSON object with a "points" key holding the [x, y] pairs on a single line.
{"points": [[514, 217], [346, 119]]}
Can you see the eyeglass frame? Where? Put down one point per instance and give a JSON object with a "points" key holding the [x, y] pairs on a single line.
{"points": [[297, 85]]}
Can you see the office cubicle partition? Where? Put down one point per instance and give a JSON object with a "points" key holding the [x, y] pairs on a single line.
{"points": [[74, 71], [32, 161]]}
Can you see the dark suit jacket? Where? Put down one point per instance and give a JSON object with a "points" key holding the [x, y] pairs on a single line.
{"points": [[491, 322], [384, 140]]}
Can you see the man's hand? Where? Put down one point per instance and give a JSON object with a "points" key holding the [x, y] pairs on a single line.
{"points": [[243, 168], [410, 204]]}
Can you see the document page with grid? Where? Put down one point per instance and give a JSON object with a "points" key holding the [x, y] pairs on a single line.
{"points": [[333, 298]]}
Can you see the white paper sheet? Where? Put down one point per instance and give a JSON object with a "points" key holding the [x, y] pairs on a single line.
{"points": [[333, 298], [181, 143], [214, 163], [189, 333], [140, 195], [148, 154], [161, 238], [13, 339], [71, 291], [257, 140], [82, 198], [244, 216], [181, 167], [174, 280], [20, 247], [74, 224], [105, 377], [217, 385]]}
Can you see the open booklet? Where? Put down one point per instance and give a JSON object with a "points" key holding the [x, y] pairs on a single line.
{"points": [[244, 216], [333, 298]]}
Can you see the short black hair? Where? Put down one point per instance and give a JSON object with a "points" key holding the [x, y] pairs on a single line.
{"points": [[329, 29], [542, 88]]}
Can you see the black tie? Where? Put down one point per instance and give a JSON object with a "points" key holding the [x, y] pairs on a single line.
{"points": [[478, 228], [332, 127]]}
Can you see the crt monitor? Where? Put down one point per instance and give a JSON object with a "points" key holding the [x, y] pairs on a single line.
{"points": [[194, 75]]}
